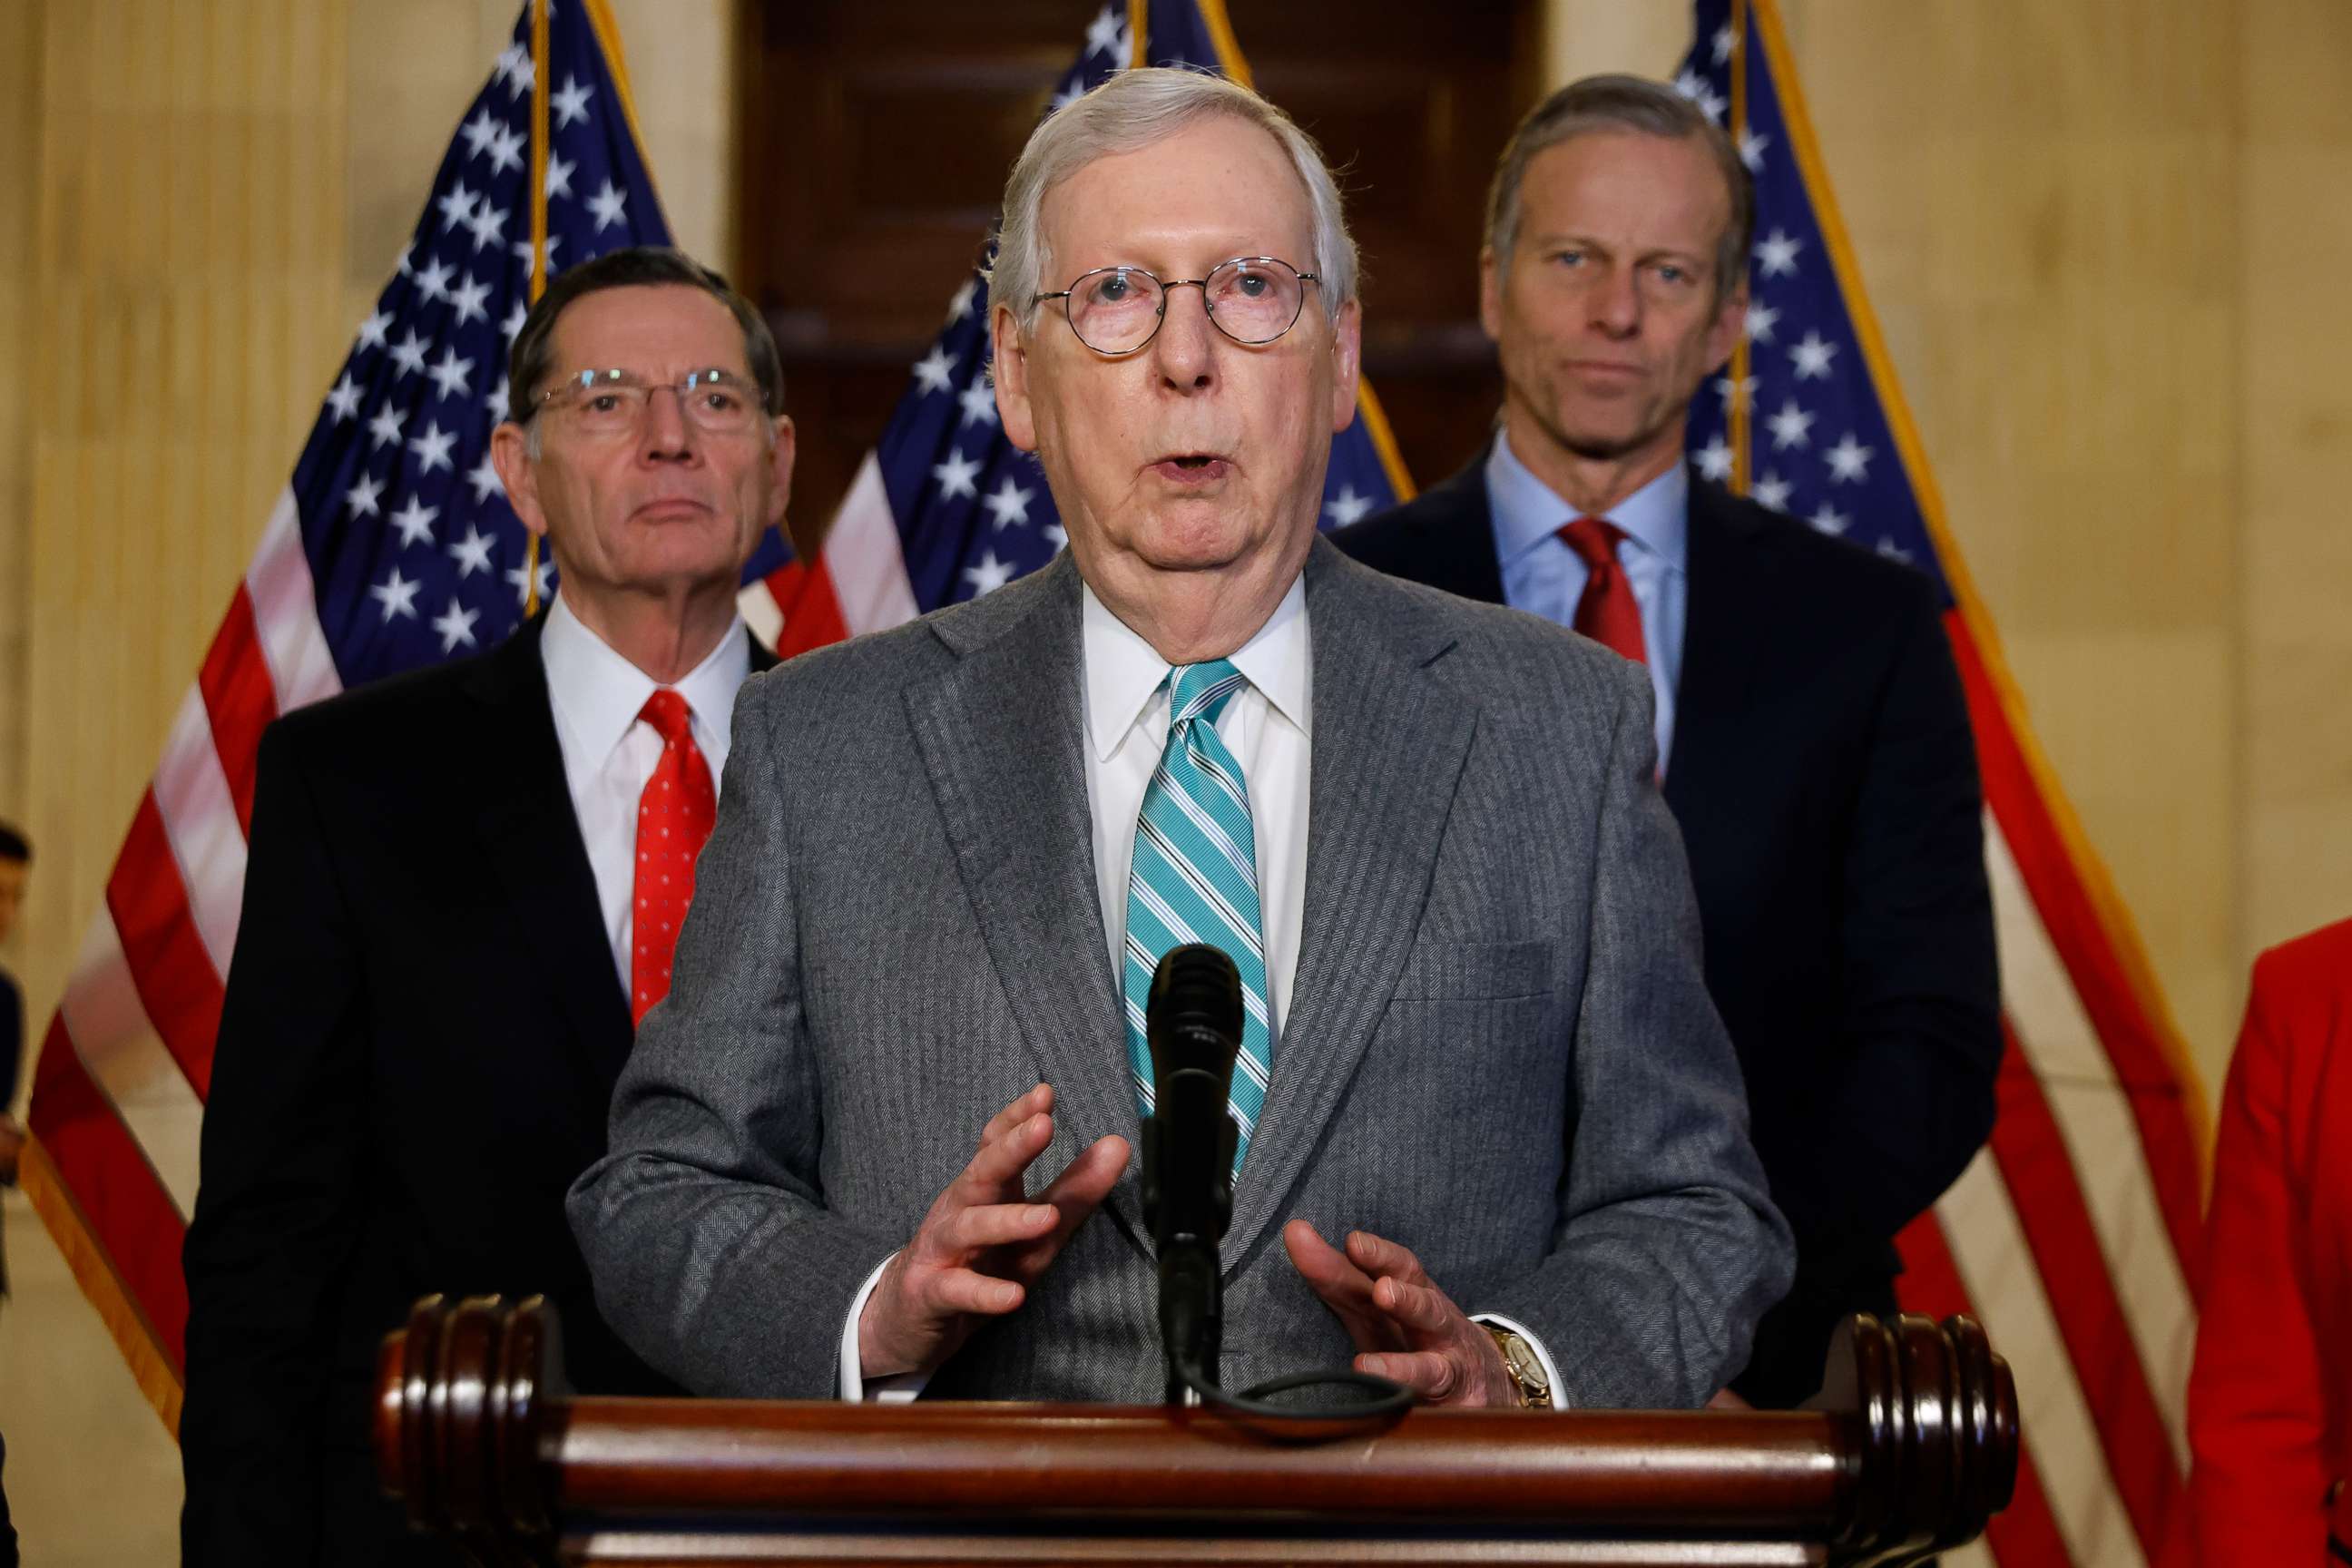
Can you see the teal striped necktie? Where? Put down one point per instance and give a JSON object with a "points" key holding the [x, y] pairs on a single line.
{"points": [[1194, 878]]}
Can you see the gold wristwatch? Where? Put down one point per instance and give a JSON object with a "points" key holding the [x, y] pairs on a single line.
{"points": [[1526, 1367]]}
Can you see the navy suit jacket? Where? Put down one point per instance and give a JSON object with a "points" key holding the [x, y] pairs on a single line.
{"points": [[417, 1048], [1824, 777]]}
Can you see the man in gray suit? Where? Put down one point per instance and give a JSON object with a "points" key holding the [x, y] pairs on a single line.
{"points": [[949, 857]]}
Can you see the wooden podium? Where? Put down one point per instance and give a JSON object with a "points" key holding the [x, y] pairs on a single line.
{"points": [[1912, 1447]]}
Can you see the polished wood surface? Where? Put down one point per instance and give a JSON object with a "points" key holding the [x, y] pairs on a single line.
{"points": [[1914, 1446]]}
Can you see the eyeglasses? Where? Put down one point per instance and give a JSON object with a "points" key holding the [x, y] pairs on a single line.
{"points": [[614, 402], [1251, 299]]}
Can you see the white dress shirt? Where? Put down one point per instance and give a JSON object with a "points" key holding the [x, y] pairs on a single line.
{"points": [[1267, 726], [609, 752]]}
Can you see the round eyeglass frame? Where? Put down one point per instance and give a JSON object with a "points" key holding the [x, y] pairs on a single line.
{"points": [[1168, 286]]}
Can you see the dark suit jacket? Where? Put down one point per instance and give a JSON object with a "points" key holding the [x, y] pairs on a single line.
{"points": [[1824, 777], [421, 1035]]}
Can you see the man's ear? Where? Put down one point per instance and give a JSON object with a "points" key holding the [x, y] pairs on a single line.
{"points": [[781, 449], [1490, 294], [1347, 363], [518, 474], [1009, 370]]}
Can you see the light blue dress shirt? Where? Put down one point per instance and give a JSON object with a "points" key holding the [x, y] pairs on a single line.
{"points": [[1542, 575]]}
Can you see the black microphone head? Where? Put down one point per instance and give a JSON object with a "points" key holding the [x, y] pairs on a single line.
{"points": [[1193, 1009]]}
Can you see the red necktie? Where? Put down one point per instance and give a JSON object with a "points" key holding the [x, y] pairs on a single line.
{"points": [[674, 818], [1607, 612]]}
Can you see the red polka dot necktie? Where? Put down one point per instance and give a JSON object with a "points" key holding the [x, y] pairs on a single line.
{"points": [[674, 817], [1607, 612]]}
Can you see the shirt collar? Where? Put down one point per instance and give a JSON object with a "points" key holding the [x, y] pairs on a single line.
{"points": [[1527, 513], [598, 693], [1124, 673]]}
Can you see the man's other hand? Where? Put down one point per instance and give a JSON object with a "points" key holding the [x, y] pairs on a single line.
{"points": [[982, 1243], [1405, 1327]]}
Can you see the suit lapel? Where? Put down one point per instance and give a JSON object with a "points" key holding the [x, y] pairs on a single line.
{"points": [[534, 848], [999, 733], [1455, 524], [1389, 744], [1719, 651]]}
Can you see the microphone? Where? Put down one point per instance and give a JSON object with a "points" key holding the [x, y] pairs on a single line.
{"points": [[1192, 1023]]}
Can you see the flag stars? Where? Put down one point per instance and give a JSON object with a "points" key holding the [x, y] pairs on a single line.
{"points": [[559, 178], [433, 283], [1812, 357], [571, 105], [455, 626], [933, 369], [514, 70], [1071, 91], [1761, 319], [1849, 461], [489, 226], [468, 299], [1723, 42], [519, 580], [955, 476], [1772, 490], [372, 330], [432, 449], [1751, 149], [1693, 85], [398, 595], [979, 404], [472, 553], [1776, 254], [482, 129], [363, 497], [1009, 504], [522, 250], [457, 207], [1735, 393], [515, 317], [1829, 519], [415, 521], [609, 207], [1715, 460], [506, 150], [988, 574], [1346, 507], [383, 430], [1106, 36], [449, 374], [496, 401], [409, 354], [1055, 535], [959, 306], [344, 400], [1792, 427]]}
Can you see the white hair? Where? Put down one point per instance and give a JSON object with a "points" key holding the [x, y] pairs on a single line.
{"points": [[1131, 112]]}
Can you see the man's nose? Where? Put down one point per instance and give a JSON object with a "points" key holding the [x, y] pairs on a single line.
{"points": [[1185, 345], [1615, 300], [666, 434]]}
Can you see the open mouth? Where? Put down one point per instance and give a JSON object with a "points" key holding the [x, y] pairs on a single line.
{"points": [[1190, 467]]}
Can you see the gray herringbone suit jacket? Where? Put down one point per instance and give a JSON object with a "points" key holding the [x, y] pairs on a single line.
{"points": [[1498, 1050]]}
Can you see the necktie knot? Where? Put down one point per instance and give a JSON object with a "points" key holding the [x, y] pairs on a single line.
{"points": [[668, 712], [1594, 540], [1201, 690]]}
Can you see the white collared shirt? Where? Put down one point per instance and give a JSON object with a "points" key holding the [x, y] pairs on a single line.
{"points": [[609, 754], [1266, 727]]}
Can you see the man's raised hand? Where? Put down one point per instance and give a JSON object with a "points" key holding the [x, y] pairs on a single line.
{"points": [[983, 1242]]}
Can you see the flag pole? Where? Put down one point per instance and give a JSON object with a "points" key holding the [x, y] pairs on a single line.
{"points": [[538, 249], [1736, 415]]}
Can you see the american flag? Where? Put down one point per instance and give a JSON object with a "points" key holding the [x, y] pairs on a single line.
{"points": [[945, 509], [2073, 1235], [392, 547]]}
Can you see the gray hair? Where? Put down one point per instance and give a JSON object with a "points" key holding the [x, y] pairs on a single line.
{"points": [[1622, 103], [1133, 111]]}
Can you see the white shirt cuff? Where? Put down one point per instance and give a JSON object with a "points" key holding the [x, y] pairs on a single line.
{"points": [[1543, 1356], [901, 1389]]}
